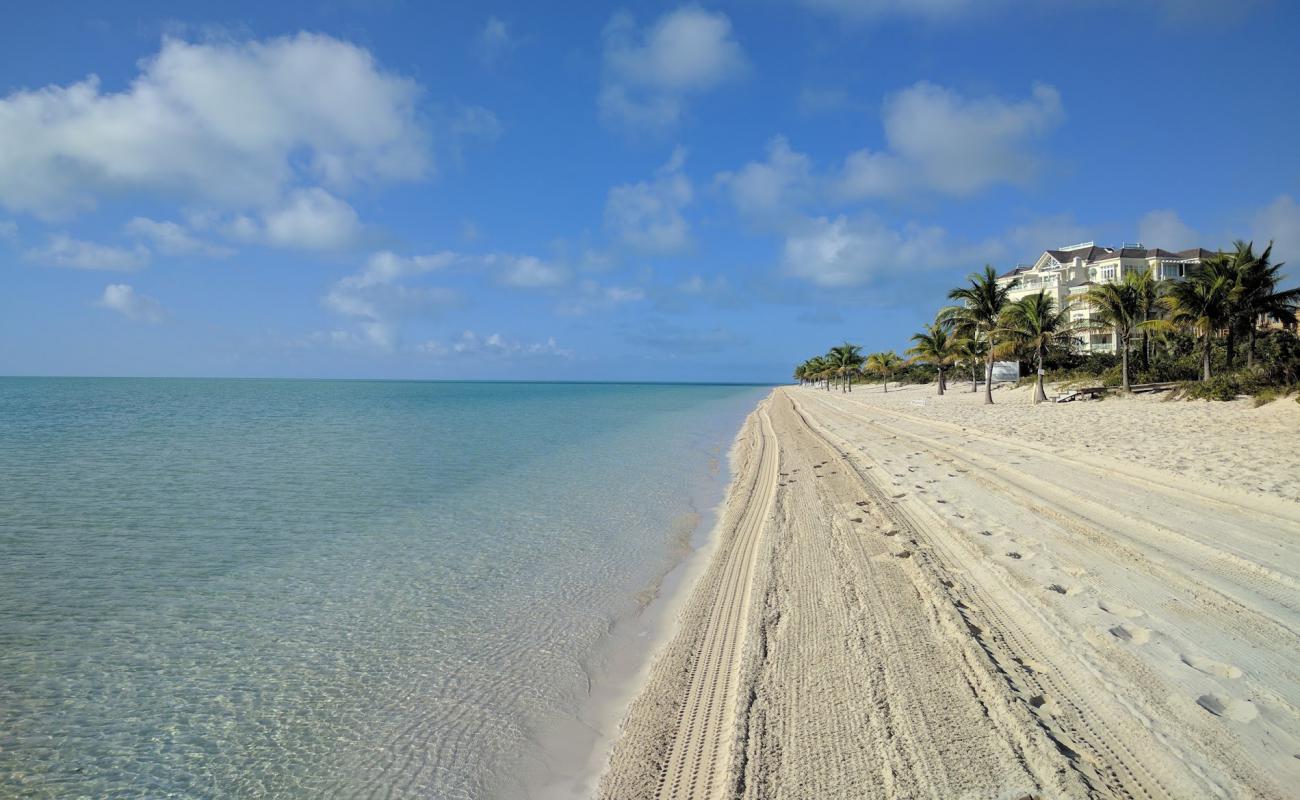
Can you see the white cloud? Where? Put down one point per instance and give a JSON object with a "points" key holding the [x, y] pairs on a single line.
{"points": [[493, 345], [1279, 222], [942, 141], [649, 74], [525, 272], [647, 216], [123, 299], [375, 299], [236, 125], [867, 10], [763, 189], [494, 42], [311, 219], [171, 239], [592, 296], [845, 252], [64, 251], [1165, 229]]}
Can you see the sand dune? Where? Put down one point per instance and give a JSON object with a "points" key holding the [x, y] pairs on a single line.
{"points": [[927, 597]]}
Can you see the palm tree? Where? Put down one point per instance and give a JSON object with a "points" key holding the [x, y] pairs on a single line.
{"points": [[884, 364], [1148, 290], [972, 353], [934, 346], [1256, 296], [816, 369], [846, 359], [1117, 306], [1203, 304], [1034, 323], [982, 305]]}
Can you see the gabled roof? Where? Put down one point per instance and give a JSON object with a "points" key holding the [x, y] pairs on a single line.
{"points": [[1013, 273]]}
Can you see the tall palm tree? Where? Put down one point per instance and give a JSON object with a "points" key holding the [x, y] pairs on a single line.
{"points": [[1034, 323], [1148, 289], [846, 359], [982, 305], [1203, 304], [1256, 296], [1118, 307], [884, 364], [972, 352], [935, 346]]}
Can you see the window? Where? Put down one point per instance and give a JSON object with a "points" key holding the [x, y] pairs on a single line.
{"points": [[1108, 273]]}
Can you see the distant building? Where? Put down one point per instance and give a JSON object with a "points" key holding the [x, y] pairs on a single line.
{"points": [[1065, 274]]}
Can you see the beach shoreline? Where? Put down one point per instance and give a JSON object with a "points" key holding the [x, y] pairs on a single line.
{"points": [[577, 749], [935, 606]]}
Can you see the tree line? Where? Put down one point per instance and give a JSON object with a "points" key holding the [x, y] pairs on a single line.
{"points": [[1218, 309]]}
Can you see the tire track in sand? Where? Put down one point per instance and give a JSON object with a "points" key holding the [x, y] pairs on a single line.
{"points": [[697, 760]]}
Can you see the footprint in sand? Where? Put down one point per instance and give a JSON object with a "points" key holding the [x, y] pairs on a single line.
{"points": [[1044, 705], [1129, 632], [1068, 591], [1111, 607], [1015, 555], [1228, 707], [904, 554], [986, 533], [1211, 667]]}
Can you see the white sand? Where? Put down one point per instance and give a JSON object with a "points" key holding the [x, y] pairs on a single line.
{"points": [[928, 597]]}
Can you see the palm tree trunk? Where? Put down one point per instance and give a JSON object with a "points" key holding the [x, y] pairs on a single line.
{"points": [[1250, 344], [1205, 355], [1123, 360], [886, 384], [940, 381], [974, 377], [1039, 394], [1230, 345], [988, 381]]}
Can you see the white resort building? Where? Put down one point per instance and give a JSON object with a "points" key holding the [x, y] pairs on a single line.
{"points": [[1065, 274]]}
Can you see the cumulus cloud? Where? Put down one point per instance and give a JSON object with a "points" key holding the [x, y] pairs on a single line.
{"points": [[375, 299], [123, 299], [647, 216], [64, 251], [170, 238], [1164, 228], [592, 297], [1279, 222], [764, 189], [845, 252], [943, 141], [649, 74], [494, 42], [311, 219], [236, 125], [493, 345]]}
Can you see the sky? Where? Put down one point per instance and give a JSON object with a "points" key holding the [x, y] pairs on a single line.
{"points": [[664, 192]]}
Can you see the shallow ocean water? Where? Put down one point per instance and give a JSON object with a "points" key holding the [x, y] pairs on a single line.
{"points": [[224, 588]]}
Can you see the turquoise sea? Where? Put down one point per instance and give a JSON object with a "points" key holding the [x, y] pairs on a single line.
{"points": [[230, 588]]}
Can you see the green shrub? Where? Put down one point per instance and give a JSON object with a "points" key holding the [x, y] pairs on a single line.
{"points": [[1223, 387]]}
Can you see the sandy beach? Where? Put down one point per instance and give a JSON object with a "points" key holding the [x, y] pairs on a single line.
{"points": [[921, 596]]}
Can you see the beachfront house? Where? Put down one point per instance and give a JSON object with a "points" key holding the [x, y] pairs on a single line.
{"points": [[1066, 274]]}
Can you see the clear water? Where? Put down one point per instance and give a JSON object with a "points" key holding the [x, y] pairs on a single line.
{"points": [[215, 588]]}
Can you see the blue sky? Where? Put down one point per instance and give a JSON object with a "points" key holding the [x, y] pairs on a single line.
{"points": [[662, 192]]}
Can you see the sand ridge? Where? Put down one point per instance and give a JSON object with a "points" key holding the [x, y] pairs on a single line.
{"points": [[940, 608]]}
